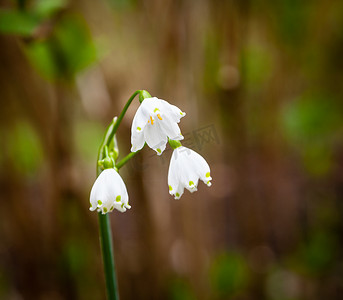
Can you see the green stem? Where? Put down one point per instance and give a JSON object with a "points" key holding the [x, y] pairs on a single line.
{"points": [[126, 159], [121, 116], [107, 256], [106, 234], [110, 142]]}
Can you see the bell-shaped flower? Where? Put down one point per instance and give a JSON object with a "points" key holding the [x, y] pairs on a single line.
{"points": [[185, 169], [154, 122], [109, 192]]}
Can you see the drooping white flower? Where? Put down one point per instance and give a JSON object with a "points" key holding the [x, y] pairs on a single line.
{"points": [[154, 122], [185, 169], [109, 192]]}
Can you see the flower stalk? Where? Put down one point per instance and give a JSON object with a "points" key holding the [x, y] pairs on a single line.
{"points": [[107, 256], [154, 124], [125, 159], [107, 155], [105, 224]]}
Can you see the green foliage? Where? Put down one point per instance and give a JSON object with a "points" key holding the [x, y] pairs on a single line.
{"points": [[180, 290], [66, 52], [313, 123], [67, 47], [75, 256], [75, 44], [24, 23], [88, 137], [25, 149], [17, 22], [229, 274], [42, 58], [256, 65], [291, 22], [47, 8], [317, 255]]}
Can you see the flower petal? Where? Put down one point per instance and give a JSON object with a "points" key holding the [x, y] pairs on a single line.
{"points": [[155, 138], [107, 192], [175, 112], [185, 169], [139, 120], [137, 141], [170, 128], [201, 167], [175, 188]]}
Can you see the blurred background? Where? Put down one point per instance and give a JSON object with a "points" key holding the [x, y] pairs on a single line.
{"points": [[262, 85]]}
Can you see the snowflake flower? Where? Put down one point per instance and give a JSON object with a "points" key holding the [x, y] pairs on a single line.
{"points": [[109, 192], [185, 169], [154, 122]]}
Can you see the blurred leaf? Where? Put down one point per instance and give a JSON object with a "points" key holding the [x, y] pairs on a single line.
{"points": [[312, 124], [41, 57], [180, 290], [16, 22], [211, 61], [312, 117], [25, 148], [68, 50], [256, 65], [318, 158], [75, 44], [75, 256], [88, 138], [229, 274], [47, 8], [291, 22], [317, 255]]}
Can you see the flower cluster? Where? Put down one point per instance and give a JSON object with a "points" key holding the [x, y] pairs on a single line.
{"points": [[155, 123]]}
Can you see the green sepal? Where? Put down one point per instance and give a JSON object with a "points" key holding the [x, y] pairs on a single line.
{"points": [[143, 94], [106, 163], [174, 144]]}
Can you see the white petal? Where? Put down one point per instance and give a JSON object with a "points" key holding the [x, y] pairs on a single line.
{"points": [[201, 167], [155, 138], [150, 105], [173, 179], [139, 120], [175, 113], [143, 113], [170, 128], [175, 189], [124, 196], [188, 176], [137, 141], [97, 191], [93, 196]]}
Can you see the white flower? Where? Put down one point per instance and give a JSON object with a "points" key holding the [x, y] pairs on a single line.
{"points": [[109, 192], [185, 169], [155, 121]]}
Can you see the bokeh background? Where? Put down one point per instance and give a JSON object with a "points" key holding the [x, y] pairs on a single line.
{"points": [[262, 85]]}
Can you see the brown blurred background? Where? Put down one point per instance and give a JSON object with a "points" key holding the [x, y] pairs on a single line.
{"points": [[262, 85]]}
